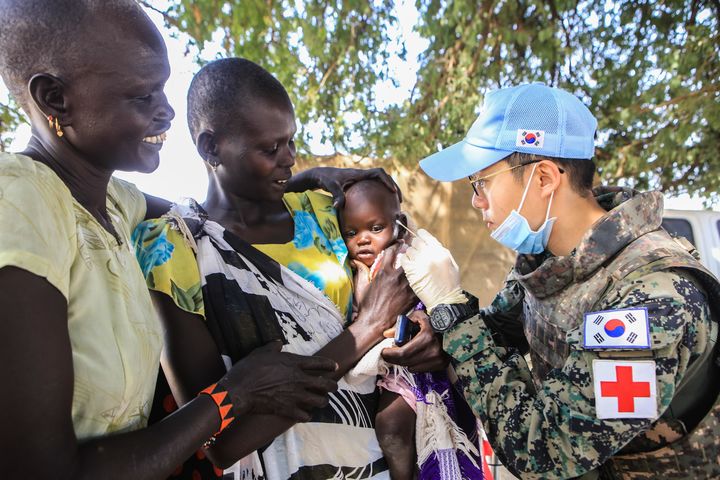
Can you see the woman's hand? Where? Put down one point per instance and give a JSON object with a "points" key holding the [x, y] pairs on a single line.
{"points": [[337, 180], [269, 381], [388, 295]]}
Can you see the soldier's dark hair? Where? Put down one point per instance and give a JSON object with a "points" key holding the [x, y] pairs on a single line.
{"points": [[53, 36], [221, 89], [580, 172]]}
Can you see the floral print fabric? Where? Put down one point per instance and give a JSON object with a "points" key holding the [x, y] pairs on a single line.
{"points": [[317, 252]]}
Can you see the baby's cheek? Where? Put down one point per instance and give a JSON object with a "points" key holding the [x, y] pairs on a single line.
{"points": [[386, 242], [352, 251]]}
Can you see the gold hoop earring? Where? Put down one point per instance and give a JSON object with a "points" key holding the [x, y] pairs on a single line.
{"points": [[53, 123]]}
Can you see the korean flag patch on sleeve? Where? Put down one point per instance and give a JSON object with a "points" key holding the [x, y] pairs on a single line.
{"points": [[628, 328]]}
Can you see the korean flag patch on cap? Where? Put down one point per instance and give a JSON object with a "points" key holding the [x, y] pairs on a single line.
{"points": [[628, 328], [530, 138]]}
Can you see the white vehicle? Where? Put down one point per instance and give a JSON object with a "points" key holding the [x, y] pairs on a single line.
{"points": [[702, 229]]}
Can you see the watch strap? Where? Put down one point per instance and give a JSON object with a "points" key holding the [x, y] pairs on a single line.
{"points": [[459, 311]]}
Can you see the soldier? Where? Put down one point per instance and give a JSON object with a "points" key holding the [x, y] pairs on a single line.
{"points": [[620, 319]]}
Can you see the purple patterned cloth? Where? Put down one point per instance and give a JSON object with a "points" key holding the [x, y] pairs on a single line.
{"points": [[449, 464]]}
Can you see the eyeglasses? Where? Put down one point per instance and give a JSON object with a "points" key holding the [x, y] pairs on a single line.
{"points": [[478, 183]]}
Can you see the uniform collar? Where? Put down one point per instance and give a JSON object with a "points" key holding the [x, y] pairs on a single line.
{"points": [[630, 214]]}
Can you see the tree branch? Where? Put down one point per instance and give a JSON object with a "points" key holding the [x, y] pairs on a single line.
{"points": [[166, 16], [678, 99]]}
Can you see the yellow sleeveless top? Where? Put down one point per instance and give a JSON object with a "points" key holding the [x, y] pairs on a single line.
{"points": [[317, 251]]}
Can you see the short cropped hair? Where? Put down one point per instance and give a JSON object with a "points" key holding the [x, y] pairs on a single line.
{"points": [[373, 190], [580, 172], [51, 36], [221, 88]]}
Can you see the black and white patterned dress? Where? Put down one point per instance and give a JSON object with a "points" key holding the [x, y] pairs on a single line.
{"points": [[250, 299]]}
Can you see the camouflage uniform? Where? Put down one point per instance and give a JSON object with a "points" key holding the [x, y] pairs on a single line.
{"points": [[543, 424]]}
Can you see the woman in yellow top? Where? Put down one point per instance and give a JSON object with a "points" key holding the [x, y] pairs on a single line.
{"points": [[255, 264], [80, 340]]}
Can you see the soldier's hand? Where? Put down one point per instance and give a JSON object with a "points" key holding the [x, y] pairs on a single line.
{"points": [[423, 353], [269, 381], [432, 271]]}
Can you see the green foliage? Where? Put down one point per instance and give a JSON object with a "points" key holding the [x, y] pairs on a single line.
{"points": [[327, 54], [10, 118], [649, 71], [654, 87]]}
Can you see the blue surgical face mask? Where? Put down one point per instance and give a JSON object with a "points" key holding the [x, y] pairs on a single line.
{"points": [[515, 231]]}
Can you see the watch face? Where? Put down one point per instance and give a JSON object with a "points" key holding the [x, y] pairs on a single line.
{"points": [[441, 318]]}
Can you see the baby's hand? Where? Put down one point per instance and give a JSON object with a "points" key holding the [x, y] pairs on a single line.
{"points": [[387, 296], [362, 280], [376, 265]]}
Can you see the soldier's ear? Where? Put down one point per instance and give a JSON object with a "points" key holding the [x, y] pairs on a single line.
{"points": [[549, 176]]}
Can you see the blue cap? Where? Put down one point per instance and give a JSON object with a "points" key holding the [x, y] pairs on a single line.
{"points": [[531, 118]]}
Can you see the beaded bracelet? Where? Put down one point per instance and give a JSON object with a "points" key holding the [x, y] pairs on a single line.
{"points": [[220, 396]]}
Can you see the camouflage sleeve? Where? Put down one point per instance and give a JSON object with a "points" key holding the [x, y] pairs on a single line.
{"points": [[504, 316], [551, 430]]}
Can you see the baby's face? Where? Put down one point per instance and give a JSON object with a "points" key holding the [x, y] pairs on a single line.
{"points": [[368, 228]]}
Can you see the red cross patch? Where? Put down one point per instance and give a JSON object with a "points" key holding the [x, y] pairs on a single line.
{"points": [[625, 389]]}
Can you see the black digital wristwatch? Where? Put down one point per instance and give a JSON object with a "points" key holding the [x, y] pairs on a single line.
{"points": [[445, 315]]}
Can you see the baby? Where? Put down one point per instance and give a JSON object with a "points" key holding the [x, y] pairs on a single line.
{"points": [[368, 223], [422, 419]]}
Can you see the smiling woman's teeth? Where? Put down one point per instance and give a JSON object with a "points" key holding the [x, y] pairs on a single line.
{"points": [[156, 138], [281, 182]]}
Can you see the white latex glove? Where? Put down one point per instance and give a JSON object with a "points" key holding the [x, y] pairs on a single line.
{"points": [[432, 272]]}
